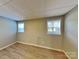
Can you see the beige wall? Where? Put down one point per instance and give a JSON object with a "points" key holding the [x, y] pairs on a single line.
{"points": [[7, 32], [71, 32], [36, 33]]}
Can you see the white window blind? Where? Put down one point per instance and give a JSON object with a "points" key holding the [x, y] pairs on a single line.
{"points": [[54, 26], [20, 26]]}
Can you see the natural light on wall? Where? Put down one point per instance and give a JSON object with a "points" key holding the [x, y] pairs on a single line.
{"points": [[20, 26], [54, 27]]}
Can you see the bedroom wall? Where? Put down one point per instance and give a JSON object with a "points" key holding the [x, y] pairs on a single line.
{"points": [[7, 31], [36, 33], [71, 33]]}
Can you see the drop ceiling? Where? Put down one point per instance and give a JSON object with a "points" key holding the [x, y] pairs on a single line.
{"points": [[30, 9]]}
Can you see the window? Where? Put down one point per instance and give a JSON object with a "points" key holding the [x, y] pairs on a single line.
{"points": [[54, 27], [20, 27]]}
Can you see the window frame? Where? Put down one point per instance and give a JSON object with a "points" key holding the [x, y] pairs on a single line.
{"points": [[18, 27], [51, 19]]}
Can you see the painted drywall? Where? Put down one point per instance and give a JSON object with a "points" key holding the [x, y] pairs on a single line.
{"points": [[7, 31], [71, 33], [36, 33]]}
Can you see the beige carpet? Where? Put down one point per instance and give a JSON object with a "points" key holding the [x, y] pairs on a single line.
{"points": [[20, 51]]}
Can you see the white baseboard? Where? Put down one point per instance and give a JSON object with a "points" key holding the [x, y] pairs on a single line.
{"points": [[60, 50], [66, 54], [7, 46]]}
